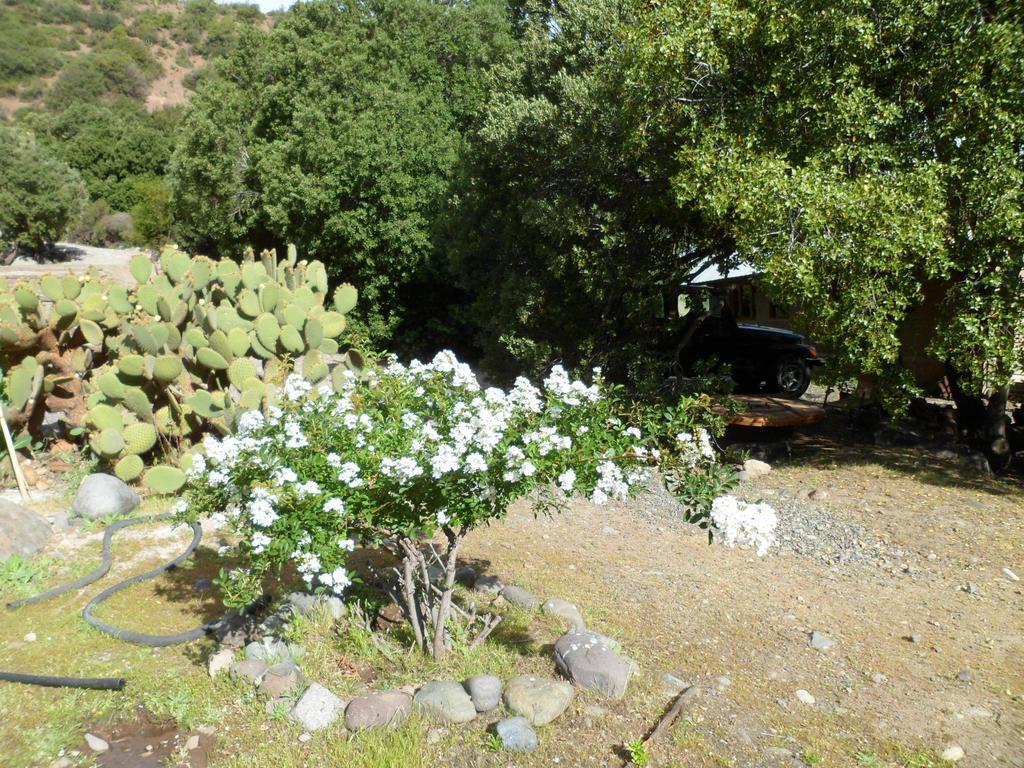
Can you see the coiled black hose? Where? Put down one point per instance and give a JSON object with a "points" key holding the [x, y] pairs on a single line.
{"points": [[129, 636]]}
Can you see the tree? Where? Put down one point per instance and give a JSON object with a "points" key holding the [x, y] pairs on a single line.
{"points": [[39, 194], [339, 130], [151, 216], [568, 231], [870, 157]]}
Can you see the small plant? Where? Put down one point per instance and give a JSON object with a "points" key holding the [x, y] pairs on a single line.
{"points": [[869, 760], [493, 743], [639, 755], [17, 573], [811, 757]]}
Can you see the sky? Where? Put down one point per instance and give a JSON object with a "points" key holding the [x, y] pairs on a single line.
{"points": [[265, 5]]}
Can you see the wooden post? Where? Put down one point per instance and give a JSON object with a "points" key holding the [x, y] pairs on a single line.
{"points": [[18, 474]]}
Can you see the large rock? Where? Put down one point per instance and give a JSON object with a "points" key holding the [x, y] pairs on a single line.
{"points": [[272, 650], [520, 596], [537, 699], [252, 670], [755, 468], [485, 691], [445, 701], [564, 610], [306, 604], [22, 531], [516, 734], [317, 708], [102, 495], [377, 709], [588, 660], [281, 679]]}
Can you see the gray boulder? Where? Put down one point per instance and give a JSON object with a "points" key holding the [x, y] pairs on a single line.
{"points": [[516, 734], [589, 660], [564, 610], [487, 584], [102, 495], [306, 604], [537, 699], [445, 701], [22, 531], [272, 650], [249, 669], [466, 575], [281, 679], [317, 708], [381, 708], [755, 468], [520, 596], [485, 691]]}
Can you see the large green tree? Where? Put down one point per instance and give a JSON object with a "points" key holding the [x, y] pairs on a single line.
{"points": [[39, 194], [340, 130], [568, 233], [869, 155]]}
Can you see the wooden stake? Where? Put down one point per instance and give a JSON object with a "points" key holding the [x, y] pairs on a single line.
{"points": [[18, 474]]}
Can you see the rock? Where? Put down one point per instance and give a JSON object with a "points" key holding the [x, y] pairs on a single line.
{"points": [[206, 730], [915, 638], [250, 669], [487, 584], [389, 617], [878, 678], [820, 641], [445, 701], [466, 575], [192, 743], [976, 713], [220, 661], [722, 683], [381, 708], [96, 744], [804, 696], [485, 691], [62, 762], [564, 610], [673, 683], [1010, 575], [272, 650], [520, 596], [537, 699], [304, 737], [755, 468], [306, 605], [516, 734], [965, 676], [970, 588], [22, 531], [281, 679], [317, 708], [818, 494], [102, 495], [31, 637], [953, 753], [586, 659]]}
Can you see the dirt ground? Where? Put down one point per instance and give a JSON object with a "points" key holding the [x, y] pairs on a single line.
{"points": [[75, 259], [898, 558]]}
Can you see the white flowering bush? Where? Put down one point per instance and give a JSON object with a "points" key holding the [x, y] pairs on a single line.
{"points": [[406, 451], [739, 523]]}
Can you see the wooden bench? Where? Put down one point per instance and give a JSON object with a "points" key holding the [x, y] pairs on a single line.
{"points": [[767, 411]]}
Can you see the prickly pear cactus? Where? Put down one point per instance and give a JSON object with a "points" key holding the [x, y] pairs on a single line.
{"points": [[149, 370]]}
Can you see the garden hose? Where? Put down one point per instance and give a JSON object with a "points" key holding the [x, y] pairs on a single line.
{"points": [[129, 636]]}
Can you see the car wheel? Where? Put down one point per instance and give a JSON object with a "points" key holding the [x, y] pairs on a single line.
{"points": [[792, 377]]}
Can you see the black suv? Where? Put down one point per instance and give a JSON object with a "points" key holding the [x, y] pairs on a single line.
{"points": [[759, 357]]}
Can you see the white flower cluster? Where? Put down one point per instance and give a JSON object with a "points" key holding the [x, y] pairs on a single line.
{"points": [[693, 449], [746, 525]]}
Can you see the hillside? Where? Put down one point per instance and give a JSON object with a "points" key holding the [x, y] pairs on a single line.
{"points": [[57, 52]]}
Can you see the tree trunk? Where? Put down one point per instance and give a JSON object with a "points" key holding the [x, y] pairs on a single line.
{"points": [[981, 420]]}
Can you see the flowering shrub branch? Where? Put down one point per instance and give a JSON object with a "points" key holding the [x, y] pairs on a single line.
{"points": [[406, 452]]}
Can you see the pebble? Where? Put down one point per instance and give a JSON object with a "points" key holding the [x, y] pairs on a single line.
{"points": [[970, 588], [673, 683], [915, 638], [878, 678], [804, 696], [220, 661], [96, 744], [30, 637], [304, 737], [516, 734], [1010, 575], [192, 743], [820, 641], [953, 753], [722, 683], [966, 676]]}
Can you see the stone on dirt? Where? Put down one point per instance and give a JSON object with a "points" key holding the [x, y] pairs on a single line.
{"points": [[953, 753], [516, 734], [377, 709], [305, 604], [281, 679], [538, 699], [466, 575], [317, 708], [565, 610], [250, 669], [587, 659], [487, 584], [22, 531], [101, 495], [272, 650], [445, 701], [485, 691], [805, 697], [1010, 575], [820, 641], [755, 468], [520, 596], [220, 661], [96, 744]]}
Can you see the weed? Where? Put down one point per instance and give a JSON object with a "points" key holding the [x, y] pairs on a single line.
{"points": [[493, 743], [812, 758], [17, 574], [869, 760], [638, 753]]}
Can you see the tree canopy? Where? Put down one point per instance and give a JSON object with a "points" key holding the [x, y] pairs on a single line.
{"points": [[865, 155]]}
